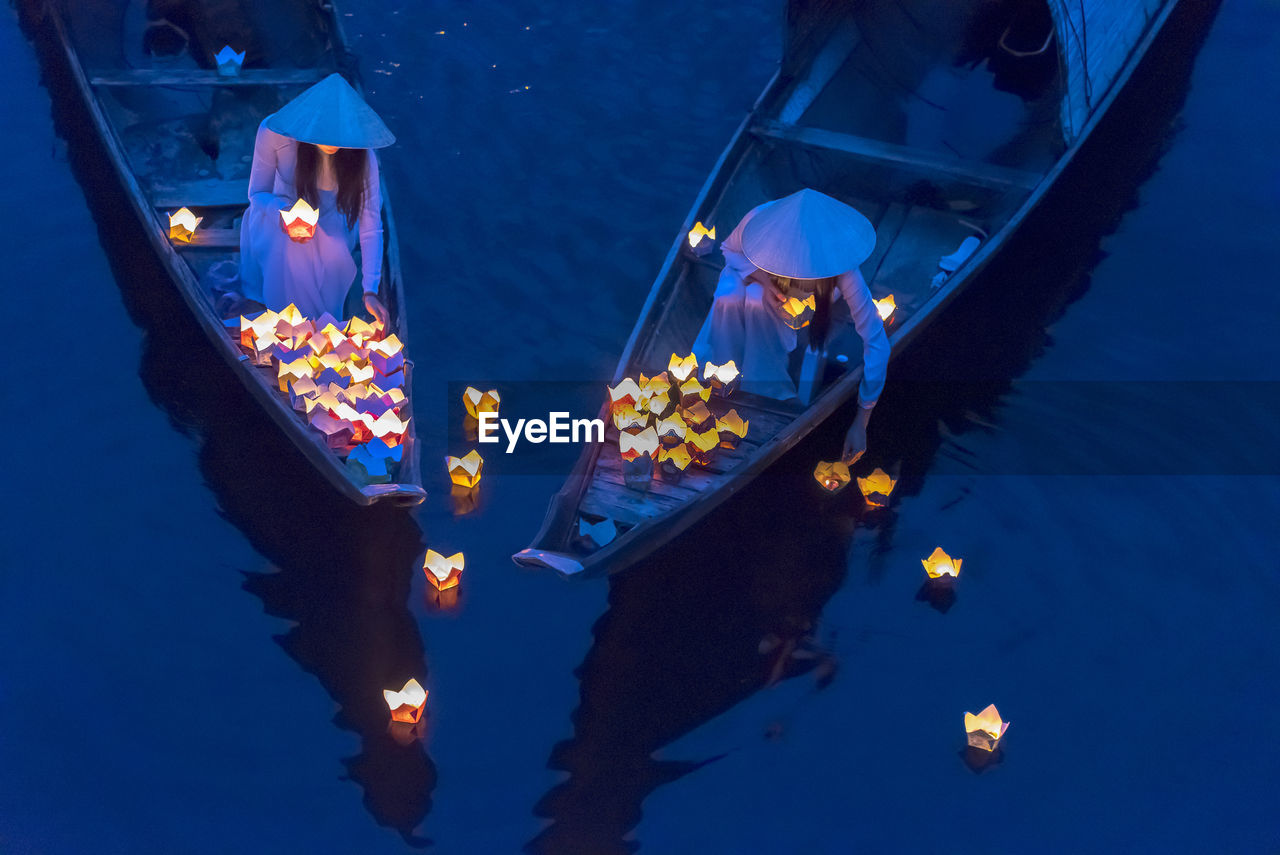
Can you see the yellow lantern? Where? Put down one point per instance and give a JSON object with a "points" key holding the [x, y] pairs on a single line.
{"points": [[940, 564], [885, 307], [300, 220], [673, 461], [691, 390], [671, 430], [701, 239], [701, 445], [796, 313], [228, 61], [357, 372], [876, 488], [478, 402], [637, 452], [289, 372], [681, 368], [657, 383], [363, 331], [833, 476], [985, 729], [625, 395], [387, 355], [182, 226], [721, 379], [629, 420], [465, 471], [441, 571], [698, 416], [662, 403], [732, 428]]}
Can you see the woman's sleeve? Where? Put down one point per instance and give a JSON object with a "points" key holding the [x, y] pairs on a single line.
{"points": [[875, 344], [371, 230], [731, 249], [262, 175]]}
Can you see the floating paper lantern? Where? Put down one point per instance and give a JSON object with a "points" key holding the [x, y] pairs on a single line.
{"points": [[478, 402], [701, 445], [701, 239], [441, 571], [833, 476], [625, 395], [229, 61], [638, 452], [732, 428], [876, 488], [698, 416], [674, 461], [885, 307], [300, 220], [796, 313], [940, 564], [681, 368], [721, 379], [671, 430], [692, 390], [465, 471], [985, 729], [182, 226], [629, 420], [598, 534]]}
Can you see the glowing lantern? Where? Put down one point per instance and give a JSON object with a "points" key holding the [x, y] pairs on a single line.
{"points": [[671, 430], [876, 488], [299, 390], [182, 225], [348, 348], [300, 220], [478, 402], [465, 471], [338, 433], [701, 239], [406, 705], [691, 390], [661, 403], [441, 571], [357, 372], [595, 535], [833, 476], [228, 61], [721, 379], [701, 445], [940, 564], [732, 428], [629, 420], [264, 349], [985, 729], [359, 328], [626, 394], [673, 462], [388, 428], [681, 368], [885, 307], [387, 355], [698, 416], [288, 372], [292, 324], [637, 452], [796, 313]]}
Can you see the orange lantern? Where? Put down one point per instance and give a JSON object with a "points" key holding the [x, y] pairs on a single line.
{"points": [[698, 416], [681, 368], [671, 430], [701, 445], [796, 313], [228, 61], [625, 395], [629, 420], [300, 220], [673, 461], [833, 476], [478, 402], [876, 488], [721, 379], [701, 239], [940, 564], [638, 452], [441, 571], [985, 729], [691, 390], [732, 428], [182, 226], [465, 471], [885, 307]]}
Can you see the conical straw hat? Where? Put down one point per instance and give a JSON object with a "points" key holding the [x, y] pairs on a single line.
{"points": [[331, 113], [807, 235]]}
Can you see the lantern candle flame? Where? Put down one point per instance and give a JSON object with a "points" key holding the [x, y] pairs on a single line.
{"points": [[833, 476], [406, 705]]}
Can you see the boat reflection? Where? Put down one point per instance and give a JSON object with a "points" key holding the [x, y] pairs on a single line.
{"points": [[344, 581]]}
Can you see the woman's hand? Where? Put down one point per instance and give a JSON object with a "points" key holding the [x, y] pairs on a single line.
{"points": [[855, 442], [379, 311]]}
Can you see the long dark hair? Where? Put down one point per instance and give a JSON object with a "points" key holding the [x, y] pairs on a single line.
{"points": [[350, 166]]}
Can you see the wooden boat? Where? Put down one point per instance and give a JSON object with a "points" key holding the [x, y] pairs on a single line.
{"points": [[182, 135], [938, 121]]}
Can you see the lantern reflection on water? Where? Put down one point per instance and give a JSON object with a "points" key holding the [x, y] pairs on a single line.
{"points": [[465, 471], [637, 452], [876, 488], [182, 226], [985, 729], [832, 475], [441, 571], [300, 220], [406, 705], [477, 402], [940, 564]]}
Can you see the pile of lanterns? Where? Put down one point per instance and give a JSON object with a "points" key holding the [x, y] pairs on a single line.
{"points": [[345, 379], [665, 422]]}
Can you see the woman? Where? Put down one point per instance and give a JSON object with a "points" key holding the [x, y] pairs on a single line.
{"points": [[317, 147], [806, 243]]}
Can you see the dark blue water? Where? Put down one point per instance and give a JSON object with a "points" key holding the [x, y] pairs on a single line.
{"points": [[194, 633]]}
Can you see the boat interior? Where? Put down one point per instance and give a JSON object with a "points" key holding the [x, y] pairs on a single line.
{"points": [[935, 120]]}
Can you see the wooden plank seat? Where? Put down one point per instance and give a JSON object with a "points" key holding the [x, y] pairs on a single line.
{"points": [[212, 239], [973, 172], [201, 193], [207, 77]]}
